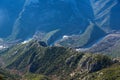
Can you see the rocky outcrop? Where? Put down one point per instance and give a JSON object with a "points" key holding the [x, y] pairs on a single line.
{"points": [[92, 63]]}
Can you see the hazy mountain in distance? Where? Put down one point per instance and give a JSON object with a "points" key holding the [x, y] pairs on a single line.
{"points": [[59, 39], [49, 15], [9, 10], [71, 17]]}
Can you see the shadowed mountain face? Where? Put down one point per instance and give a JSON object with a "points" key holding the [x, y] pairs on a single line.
{"points": [[71, 17], [52, 39], [9, 10], [106, 13]]}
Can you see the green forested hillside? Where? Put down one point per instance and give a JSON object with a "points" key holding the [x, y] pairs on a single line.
{"points": [[7, 75], [57, 63]]}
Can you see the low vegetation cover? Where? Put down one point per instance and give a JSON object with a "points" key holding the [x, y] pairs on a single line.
{"points": [[38, 62]]}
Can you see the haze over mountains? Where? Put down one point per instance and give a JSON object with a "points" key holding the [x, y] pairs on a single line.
{"points": [[59, 39], [9, 10], [71, 17]]}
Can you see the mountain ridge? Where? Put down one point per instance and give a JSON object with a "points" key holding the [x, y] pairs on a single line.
{"points": [[70, 17], [57, 63]]}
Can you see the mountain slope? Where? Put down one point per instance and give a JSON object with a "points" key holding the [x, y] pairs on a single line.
{"points": [[89, 37], [71, 17], [9, 10], [50, 16], [7, 75], [109, 45], [58, 63], [66, 15], [103, 13], [111, 73]]}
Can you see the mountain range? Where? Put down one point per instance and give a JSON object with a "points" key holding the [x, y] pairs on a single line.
{"points": [[36, 61], [59, 40], [71, 17]]}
